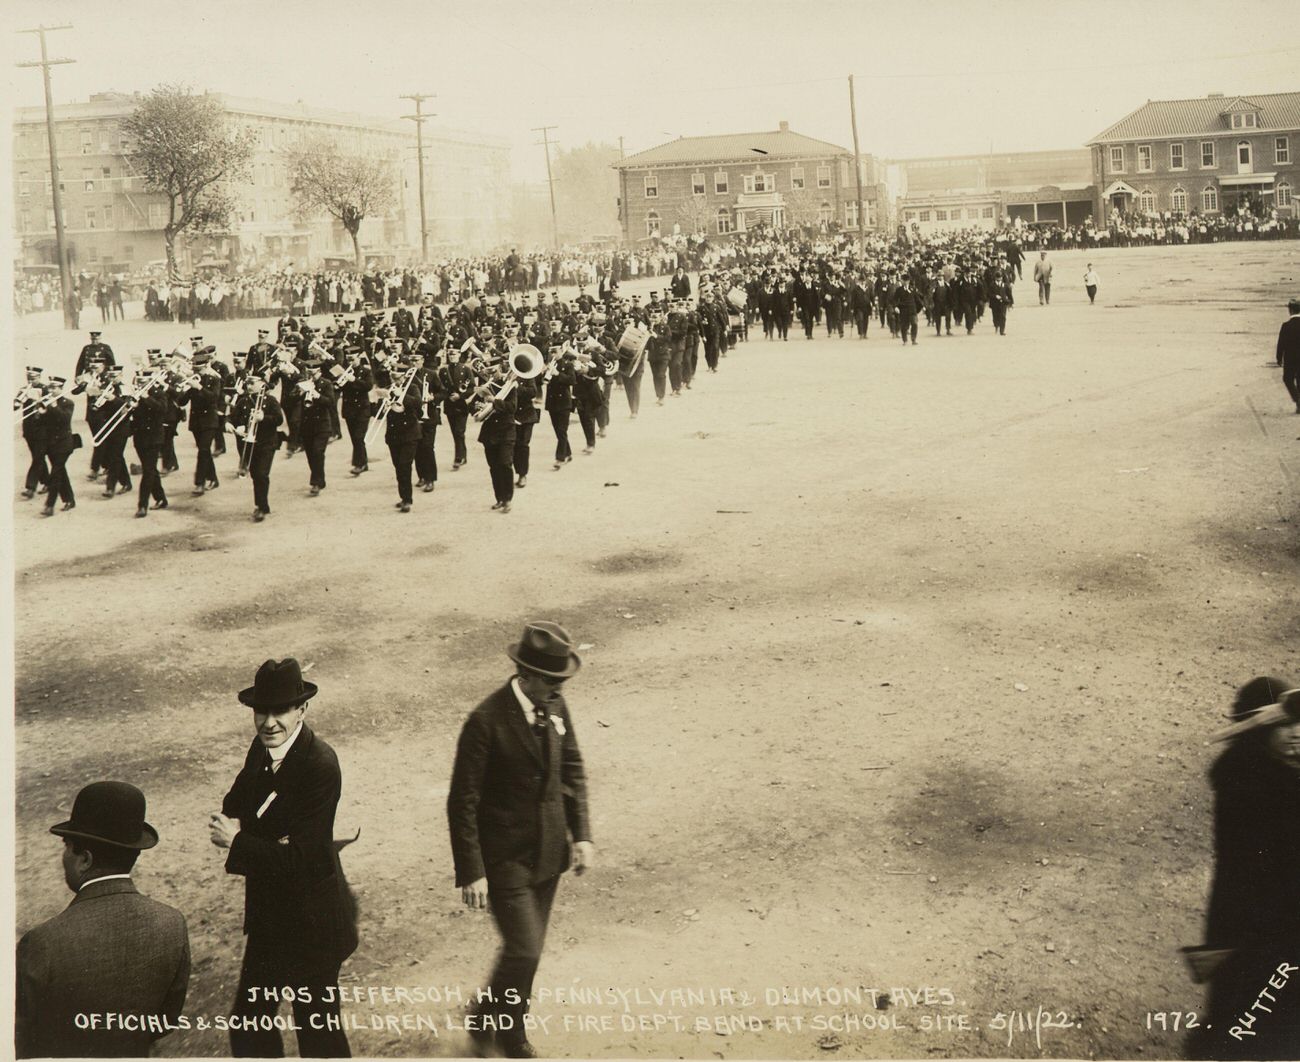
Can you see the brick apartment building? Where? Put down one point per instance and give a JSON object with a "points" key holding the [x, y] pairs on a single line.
{"points": [[725, 184], [1210, 154]]}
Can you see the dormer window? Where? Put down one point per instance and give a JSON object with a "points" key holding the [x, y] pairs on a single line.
{"points": [[1246, 120]]}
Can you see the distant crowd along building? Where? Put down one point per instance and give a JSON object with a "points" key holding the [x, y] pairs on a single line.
{"points": [[1212, 155], [113, 224], [726, 184]]}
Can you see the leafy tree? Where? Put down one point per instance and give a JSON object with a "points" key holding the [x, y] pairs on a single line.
{"points": [[349, 188], [185, 147]]}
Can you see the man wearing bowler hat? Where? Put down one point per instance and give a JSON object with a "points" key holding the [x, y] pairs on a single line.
{"points": [[278, 823], [111, 951], [518, 794]]}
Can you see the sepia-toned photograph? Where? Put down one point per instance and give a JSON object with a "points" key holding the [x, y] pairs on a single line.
{"points": [[675, 530]]}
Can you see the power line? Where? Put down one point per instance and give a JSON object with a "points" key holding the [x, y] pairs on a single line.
{"points": [[419, 118]]}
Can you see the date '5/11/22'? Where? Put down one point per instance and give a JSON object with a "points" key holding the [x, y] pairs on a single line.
{"points": [[1173, 1020], [1032, 1021]]}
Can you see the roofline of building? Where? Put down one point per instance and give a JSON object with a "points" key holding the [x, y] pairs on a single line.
{"points": [[1102, 138], [978, 157], [758, 160], [631, 159]]}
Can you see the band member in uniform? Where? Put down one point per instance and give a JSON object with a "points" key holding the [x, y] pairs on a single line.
{"points": [[458, 385], [357, 384], [426, 457], [497, 436], [112, 448], [659, 354], [204, 398], [148, 426], [518, 794], [1288, 352], [277, 823], [264, 430], [111, 951], [527, 413], [588, 380], [402, 432], [317, 394], [91, 384], [559, 404], [28, 400], [60, 442], [94, 357]]}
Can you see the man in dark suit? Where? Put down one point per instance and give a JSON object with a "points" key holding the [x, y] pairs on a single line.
{"points": [[680, 285], [518, 794], [1288, 351], [278, 823], [112, 953]]}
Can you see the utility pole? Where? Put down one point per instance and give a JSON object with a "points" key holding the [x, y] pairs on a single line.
{"points": [[419, 118], [621, 153], [545, 130], [65, 272], [857, 161]]}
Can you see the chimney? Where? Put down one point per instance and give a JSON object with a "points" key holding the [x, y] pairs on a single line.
{"points": [[785, 127], [1216, 95]]}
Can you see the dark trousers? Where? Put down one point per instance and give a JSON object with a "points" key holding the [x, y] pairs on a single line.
{"points": [[58, 482], [659, 373], [205, 469], [500, 456], [259, 470], [675, 369], [999, 316], [114, 458], [1290, 377], [560, 422], [907, 326], [38, 472], [690, 360], [521, 454], [783, 324], [315, 447], [522, 914], [219, 439], [587, 418], [806, 317], [1045, 291], [942, 321], [711, 352], [150, 481], [358, 424], [602, 411], [403, 455], [269, 968], [834, 319], [1091, 289], [426, 460], [169, 462], [456, 419], [632, 388]]}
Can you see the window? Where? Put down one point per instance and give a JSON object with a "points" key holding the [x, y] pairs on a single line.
{"points": [[87, 143], [823, 176], [1243, 121], [158, 215], [106, 173], [126, 145], [1117, 159], [925, 215], [103, 142], [851, 214], [90, 217], [720, 182], [25, 220], [652, 187], [796, 179], [844, 173], [697, 184], [23, 187], [1178, 201], [1147, 201], [724, 221], [825, 213], [759, 182], [1207, 154], [1281, 150], [909, 215], [1236, 121], [1243, 153], [1176, 156], [1144, 158], [988, 213], [108, 216], [88, 180], [652, 224], [1209, 199], [1283, 194]]}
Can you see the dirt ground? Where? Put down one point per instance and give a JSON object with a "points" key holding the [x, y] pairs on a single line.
{"points": [[900, 666]]}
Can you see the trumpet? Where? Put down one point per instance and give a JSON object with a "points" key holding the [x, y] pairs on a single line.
{"points": [[525, 364]]}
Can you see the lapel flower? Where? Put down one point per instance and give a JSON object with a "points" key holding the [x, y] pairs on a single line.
{"points": [[559, 725]]}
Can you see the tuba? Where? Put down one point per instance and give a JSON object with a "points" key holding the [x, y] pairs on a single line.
{"points": [[525, 364]]}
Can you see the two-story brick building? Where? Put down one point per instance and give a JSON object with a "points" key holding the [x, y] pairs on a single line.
{"points": [[1210, 155], [726, 184]]}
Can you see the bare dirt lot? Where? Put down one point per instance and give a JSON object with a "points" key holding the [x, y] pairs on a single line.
{"points": [[902, 662]]}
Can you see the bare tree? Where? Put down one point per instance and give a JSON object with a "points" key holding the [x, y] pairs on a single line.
{"points": [[185, 148], [349, 188], [694, 214]]}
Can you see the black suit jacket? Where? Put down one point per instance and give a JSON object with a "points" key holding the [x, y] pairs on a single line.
{"points": [[1288, 344], [512, 808], [295, 895]]}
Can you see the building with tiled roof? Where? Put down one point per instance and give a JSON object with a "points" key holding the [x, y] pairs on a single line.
{"points": [[1211, 155], [726, 184]]}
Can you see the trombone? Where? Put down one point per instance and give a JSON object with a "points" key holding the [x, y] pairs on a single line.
{"points": [[396, 396], [123, 411]]}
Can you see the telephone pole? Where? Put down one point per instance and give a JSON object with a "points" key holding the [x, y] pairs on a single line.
{"points": [[857, 160], [419, 118], [621, 153], [545, 130], [65, 272]]}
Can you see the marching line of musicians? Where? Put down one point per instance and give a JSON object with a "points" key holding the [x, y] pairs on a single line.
{"points": [[495, 361]]}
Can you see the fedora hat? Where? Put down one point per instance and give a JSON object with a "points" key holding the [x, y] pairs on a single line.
{"points": [[278, 684], [1249, 714], [109, 813], [546, 648]]}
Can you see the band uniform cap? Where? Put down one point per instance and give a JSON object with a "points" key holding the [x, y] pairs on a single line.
{"points": [[546, 648], [278, 684], [109, 813], [94, 334], [57, 381], [34, 370], [1287, 709]]}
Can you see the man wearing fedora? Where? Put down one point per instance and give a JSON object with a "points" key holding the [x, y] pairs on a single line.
{"points": [[111, 952], [518, 794], [278, 823]]}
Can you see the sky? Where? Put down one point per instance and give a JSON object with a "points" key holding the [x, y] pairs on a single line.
{"points": [[943, 78]]}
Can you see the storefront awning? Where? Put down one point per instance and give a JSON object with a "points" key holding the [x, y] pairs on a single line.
{"points": [[1120, 188], [1233, 179]]}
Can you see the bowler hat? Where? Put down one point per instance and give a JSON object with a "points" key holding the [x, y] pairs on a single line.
{"points": [[109, 813], [546, 648], [278, 684]]}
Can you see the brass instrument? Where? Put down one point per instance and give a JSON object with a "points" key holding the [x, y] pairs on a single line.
{"points": [[525, 364], [396, 396], [138, 391]]}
